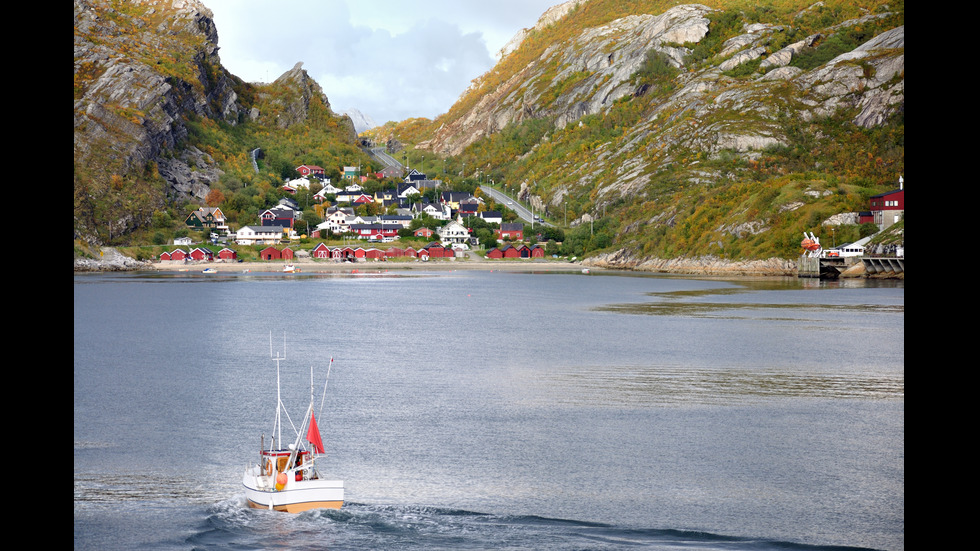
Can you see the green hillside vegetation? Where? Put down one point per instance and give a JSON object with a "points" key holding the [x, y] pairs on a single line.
{"points": [[242, 192], [695, 204]]}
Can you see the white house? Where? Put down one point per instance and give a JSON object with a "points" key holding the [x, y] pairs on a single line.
{"points": [[297, 183], [491, 217], [259, 235], [435, 210], [454, 232]]}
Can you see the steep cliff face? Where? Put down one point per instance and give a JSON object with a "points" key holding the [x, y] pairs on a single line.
{"points": [[140, 68]]}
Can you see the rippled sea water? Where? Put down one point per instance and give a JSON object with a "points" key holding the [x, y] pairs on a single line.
{"points": [[495, 410]]}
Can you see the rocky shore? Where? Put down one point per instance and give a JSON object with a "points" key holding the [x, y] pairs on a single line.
{"points": [[111, 261], [703, 265]]}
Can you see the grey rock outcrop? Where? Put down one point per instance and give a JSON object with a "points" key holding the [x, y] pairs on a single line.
{"points": [[702, 265], [110, 260], [595, 68], [128, 109]]}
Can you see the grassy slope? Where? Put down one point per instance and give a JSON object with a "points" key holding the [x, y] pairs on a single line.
{"points": [[727, 205]]}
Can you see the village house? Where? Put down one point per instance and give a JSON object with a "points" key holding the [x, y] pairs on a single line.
{"points": [[259, 235], [406, 190], [310, 170], [439, 212], [206, 217], [402, 219], [468, 207], [280, 216], [512, 231], [376, 232], [454, 233], [328, 189], [352, 173], [202, 254], [453, 198], [887, 208], [292, 186], [491, 216]]}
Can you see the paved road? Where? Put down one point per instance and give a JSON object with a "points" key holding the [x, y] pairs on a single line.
{"points": [[513, 204], [381, 155]]}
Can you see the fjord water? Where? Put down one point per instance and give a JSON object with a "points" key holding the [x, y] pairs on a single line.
{"points": [[494, 410]]}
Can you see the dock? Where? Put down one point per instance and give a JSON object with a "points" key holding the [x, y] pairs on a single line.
{"points": [[833, 267]]}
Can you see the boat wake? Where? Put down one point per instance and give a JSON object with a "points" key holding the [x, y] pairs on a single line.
{"points": [[363, 526]]}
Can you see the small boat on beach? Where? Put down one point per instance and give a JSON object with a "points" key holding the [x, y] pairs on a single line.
{"points": [[288, 268], [286, 478]]}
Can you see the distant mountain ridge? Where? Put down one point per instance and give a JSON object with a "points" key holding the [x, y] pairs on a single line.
{"points": [[361, 121]]}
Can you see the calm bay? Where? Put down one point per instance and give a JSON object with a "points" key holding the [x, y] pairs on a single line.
{"points": [[493, 409]]}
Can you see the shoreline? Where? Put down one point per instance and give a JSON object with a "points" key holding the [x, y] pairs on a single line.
{"points": [[327, 266], [113, 261]]}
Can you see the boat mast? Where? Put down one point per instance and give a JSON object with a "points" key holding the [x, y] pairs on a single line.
{"points": [[277, 429]]}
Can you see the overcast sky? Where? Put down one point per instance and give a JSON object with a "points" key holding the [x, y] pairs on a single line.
{"points": [[389, 59]]}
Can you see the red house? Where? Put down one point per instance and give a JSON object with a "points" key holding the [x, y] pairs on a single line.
{"points": [[515, 231], [227, 254], [495, 253], [423, 232], [888, 208], [270, 253], [164, 255], [202, 254], [310, 170], [178, 254], [435, 250], [511, 252], [321, 251]]}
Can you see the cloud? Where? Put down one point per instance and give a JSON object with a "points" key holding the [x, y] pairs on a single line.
{"points": [[391, 60]]}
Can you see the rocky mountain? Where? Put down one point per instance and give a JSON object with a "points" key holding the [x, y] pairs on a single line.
{"points": [[596, 67], [361, 121], [149, 87], [606, 105]]}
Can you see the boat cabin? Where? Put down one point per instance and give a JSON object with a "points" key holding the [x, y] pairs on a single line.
{"points": [[277, 461]]}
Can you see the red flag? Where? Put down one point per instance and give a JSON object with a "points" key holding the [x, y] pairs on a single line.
{"points": [[313, 435]]}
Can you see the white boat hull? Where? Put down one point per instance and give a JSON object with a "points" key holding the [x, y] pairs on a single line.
{"points": [[297, 495]]}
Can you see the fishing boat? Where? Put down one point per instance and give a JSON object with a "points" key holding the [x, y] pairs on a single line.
{"points": [[209, 271], [286, 478], [288, 269]]}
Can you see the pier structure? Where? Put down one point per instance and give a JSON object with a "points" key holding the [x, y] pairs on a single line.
{"points": [[832, 267]]}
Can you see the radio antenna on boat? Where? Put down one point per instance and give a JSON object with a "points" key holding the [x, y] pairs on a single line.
{"points": [[324, 395]]}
